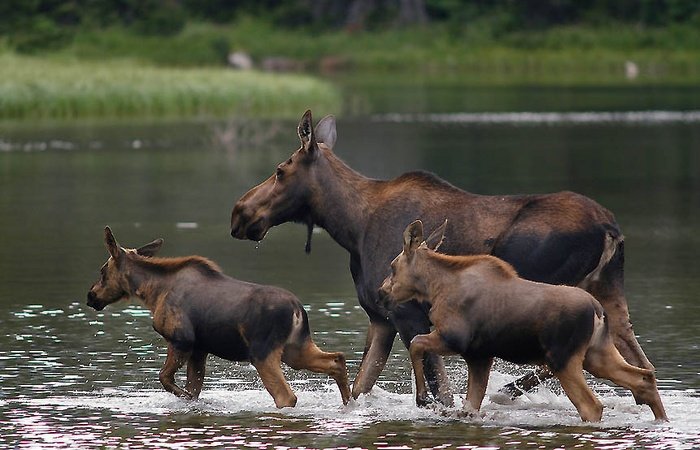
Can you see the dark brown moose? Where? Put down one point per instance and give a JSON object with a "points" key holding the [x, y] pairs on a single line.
{"points": [[561, 238], [199, 310], [481, 309]]}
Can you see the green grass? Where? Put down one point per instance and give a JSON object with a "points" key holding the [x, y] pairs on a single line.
{"points": [[66, 88]]}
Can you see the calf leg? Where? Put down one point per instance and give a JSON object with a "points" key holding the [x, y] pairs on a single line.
{"points": [[477, 382], [195, 372], [270, 371], [380, 339], [176, 358], [574, 384], [421, 344], [411, 321], [605, 361], [309, 356]]}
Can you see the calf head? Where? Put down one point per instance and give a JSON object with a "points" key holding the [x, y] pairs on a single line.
{"points": [[286, 195], [113, 284], [407, 279]]}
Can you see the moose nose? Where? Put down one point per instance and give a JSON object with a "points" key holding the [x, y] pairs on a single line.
{"points": [[91, 298]]}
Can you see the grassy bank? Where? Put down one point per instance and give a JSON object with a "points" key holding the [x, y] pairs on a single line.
{"points": [[118, 73], [479, 53], [62, 87]]}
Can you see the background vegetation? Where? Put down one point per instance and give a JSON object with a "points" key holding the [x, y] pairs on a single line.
{"points": [[476, 41], [196, 32]]}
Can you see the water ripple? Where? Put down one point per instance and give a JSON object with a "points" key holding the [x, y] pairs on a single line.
{"points": [[547, 118]]}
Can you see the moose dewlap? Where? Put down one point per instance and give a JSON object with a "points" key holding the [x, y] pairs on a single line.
{"points": [[481, 309], [200, 311]]}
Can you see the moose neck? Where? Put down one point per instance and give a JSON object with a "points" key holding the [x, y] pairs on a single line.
{"points": [[435, 279], [341, 204], [148, 284]]}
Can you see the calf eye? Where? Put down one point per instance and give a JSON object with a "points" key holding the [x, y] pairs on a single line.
{"points": [[279, 173]]}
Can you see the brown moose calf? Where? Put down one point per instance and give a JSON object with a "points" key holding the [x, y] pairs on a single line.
{"points": [[199, 310], [481, 309]]}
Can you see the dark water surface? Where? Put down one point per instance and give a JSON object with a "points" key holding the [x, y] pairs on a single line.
{"points": [[72, 377]]}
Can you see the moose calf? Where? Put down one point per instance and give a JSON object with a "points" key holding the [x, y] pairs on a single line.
{"points": [[199, 310], [481, 309]]}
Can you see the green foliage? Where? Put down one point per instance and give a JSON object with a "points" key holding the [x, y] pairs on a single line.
{"points": [[157, 17], [40, 33]]}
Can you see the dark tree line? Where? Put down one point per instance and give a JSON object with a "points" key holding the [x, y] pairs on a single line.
{"points": [[45, 23]]}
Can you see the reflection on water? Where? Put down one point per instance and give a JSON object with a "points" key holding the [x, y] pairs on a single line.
{"points": [[72, 378]]}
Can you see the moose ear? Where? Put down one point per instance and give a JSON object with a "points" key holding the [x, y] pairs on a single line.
{"points": [[306, 132], [325, 131], [436, 237], [112, 247], [150, 249], [412, 237]]}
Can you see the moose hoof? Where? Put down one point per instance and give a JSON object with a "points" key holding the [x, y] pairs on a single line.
{"points": [[446, 400], [423, 401]]}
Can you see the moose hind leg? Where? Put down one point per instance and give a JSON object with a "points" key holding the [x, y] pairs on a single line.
{"points": [[608, 289], [604, 361], [196, 367], [309, 356], [173, 362], [270, 371], [574, 384], [526, 382], [380, 339]]}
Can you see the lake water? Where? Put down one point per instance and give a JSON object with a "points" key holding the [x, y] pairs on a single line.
{"points": [[74, 378]]}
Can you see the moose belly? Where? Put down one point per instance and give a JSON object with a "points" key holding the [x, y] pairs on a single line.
{"points": [[516, 347], [225, 343]]}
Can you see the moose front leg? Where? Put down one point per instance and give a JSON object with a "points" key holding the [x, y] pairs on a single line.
{"points": [[380, 338], [175, 359], [196, 367], [420, 345], [477, 381], [411, 321]]}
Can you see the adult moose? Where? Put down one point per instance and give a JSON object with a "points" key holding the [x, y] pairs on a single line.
{"points": [[561, 238]]}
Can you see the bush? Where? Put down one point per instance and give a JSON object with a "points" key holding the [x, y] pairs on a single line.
{"points": [[41, 34]]}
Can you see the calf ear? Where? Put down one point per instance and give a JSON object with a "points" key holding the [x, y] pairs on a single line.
{"points": [[150, 249], [112, 247], [436, 237], [412, 237], [325, 131], [305, 130]]}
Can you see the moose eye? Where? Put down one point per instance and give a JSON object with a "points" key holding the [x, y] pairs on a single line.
{"points": [[279, 173]]}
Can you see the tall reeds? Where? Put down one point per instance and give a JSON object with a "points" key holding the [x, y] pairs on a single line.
{"points": [[64, 88]]}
